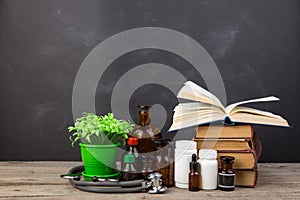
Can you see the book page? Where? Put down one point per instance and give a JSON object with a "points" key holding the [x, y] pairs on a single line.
{"points": [[264, 99], [198, 115], [242, 109], [184, 113], [191, 106], [259, 119], [194, 120], [194, 92]]}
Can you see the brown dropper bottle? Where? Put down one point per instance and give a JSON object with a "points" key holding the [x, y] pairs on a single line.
{"points": [[194, 175]]}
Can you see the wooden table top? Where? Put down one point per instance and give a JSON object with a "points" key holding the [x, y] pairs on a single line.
{"points": [[40, 180]]}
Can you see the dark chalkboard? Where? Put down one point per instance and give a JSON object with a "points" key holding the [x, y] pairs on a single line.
{"points": [[43, 44]]}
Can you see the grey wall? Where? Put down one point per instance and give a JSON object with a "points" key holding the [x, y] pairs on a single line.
{"points": [[255, 44]]}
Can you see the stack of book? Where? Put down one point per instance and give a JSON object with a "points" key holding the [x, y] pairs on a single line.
{"points": [[204, 108], [239, 141]]}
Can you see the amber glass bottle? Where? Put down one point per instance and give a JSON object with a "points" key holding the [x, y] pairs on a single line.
{"points": [[144, 131], [194, 175], [164, 161], [226, 178]]}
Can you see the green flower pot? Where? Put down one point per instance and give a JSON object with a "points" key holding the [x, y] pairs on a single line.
{"points": [[99, 160]]}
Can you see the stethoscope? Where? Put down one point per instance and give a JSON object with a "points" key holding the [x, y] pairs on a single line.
{"points": [[152, 184]]}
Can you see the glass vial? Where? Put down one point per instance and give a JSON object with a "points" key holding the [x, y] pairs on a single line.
{"points": [[226, 177], [194, 175]]}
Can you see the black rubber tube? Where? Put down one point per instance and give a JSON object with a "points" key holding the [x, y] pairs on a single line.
{"points": [[110, 183], [120, 186], [76, 170], [109, 190]]}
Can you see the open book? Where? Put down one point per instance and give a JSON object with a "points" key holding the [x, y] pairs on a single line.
{"points": [[208, 108]]}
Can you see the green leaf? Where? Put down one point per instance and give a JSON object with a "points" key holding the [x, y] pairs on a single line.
{"points": [[94, 129]]}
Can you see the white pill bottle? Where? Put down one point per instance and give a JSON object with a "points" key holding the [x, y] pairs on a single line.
{"points": [[209, 168]]}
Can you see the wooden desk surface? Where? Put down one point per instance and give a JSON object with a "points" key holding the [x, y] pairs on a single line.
{"points": [[40, 180]]}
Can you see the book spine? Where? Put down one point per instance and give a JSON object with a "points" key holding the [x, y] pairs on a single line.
{"points": [[252, 130], [253, 140], [258, 150], [256, 177]]}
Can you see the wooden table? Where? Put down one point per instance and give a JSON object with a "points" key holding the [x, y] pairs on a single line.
{"points": [[40, 180]]}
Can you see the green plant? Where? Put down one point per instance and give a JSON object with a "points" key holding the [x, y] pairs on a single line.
{"points": [[93, 129]]}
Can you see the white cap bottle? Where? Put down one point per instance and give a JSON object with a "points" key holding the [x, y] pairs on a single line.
{"points": [[209, 169]]}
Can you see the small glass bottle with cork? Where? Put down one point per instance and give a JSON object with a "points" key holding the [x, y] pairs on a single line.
{"points": [[226, 177], [146, 133]]}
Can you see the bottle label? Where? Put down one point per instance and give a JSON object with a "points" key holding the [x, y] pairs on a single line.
{"points": [[226, 180]]}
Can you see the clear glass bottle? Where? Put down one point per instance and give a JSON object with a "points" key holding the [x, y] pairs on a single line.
{"points": [[226, 178], [194, 175], [164, 160], [129, 172]]}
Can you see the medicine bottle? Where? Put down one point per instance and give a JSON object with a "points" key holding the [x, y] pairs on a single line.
{"points": [[164, 160], [209, 169], [129, 172], [182, 157], [226, 178], [131, 148], [194, 175], [145, 131]]}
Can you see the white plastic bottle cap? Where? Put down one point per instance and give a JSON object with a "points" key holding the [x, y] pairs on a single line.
{"points": [[207, 154], [185, 144]]}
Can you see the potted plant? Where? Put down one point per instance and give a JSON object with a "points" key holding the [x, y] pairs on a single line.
{"points": [[100, 138]]}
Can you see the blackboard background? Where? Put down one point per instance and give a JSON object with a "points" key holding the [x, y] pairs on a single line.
{"points": [[255, 44]]}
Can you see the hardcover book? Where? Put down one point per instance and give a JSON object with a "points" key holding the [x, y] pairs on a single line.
{"points": [[227, 144], [208, 109], [246, 178], [224, 132]]}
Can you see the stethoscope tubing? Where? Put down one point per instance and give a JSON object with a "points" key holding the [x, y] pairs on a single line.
{"points": [[116, 186]]}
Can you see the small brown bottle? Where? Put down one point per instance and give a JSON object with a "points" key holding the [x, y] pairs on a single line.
{"points": [[226, 178], [194, 175], [145, 131], [164, 163]]}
